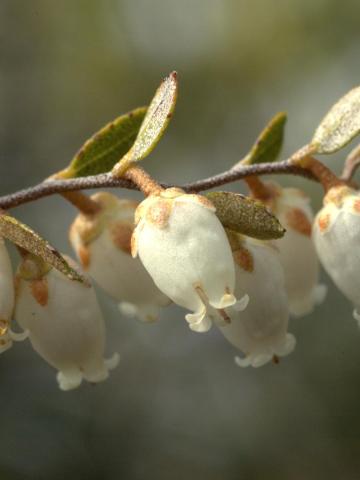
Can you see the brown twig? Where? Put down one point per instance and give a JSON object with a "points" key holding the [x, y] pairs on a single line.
{"points": [[106, 180]]}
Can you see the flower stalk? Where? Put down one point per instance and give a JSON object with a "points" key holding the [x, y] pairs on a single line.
{"points": [[143, 180], [82, 202], [324, 175]]}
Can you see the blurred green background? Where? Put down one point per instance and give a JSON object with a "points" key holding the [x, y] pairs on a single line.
{"points": [[177, 407]]}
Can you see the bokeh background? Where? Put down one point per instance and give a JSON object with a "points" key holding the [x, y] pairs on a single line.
{"points": [[177, 407]]}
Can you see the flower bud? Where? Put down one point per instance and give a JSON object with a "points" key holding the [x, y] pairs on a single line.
{"points": [[297, 251], [64, 321], [102, 242], [7, 336], [336, 237], [260, 331], [183, 246]]}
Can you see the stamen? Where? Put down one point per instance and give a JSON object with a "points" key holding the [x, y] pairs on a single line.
{"points": [[4, 326], [205, 300], [224, 315], [275, 360], [202, 295]]}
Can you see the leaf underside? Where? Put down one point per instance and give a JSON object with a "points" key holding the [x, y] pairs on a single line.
{"points": [[246, 216], [339, 126], [154, 125], [26, 238], [157, 118]]}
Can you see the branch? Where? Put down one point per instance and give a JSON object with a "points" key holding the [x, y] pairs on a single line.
{"points": [[106, 180]]}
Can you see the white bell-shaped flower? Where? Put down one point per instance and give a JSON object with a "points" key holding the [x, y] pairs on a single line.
{"points": [[7, 298], [260, 331], [336, 235], [297, 251], [65, 324], [184, 247], [102, 243]]}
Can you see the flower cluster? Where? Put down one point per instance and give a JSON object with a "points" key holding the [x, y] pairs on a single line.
{"points": [[176, 247], [172, 247]]}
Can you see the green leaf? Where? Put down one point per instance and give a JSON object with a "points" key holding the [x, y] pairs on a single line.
{"points": [[24, 237], [339, 126], [104, 149], [155, 122], [268, 144], [245, 215]]}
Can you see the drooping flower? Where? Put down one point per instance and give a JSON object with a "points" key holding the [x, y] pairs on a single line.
{"points": [[297, 251], [184, 247], [260, 331], [102, 243], [7, 336], [64, 322], [336, 235]]}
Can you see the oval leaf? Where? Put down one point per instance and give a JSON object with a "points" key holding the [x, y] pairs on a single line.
{"points": [[268, 144], [24, 237], [340, 125], [155, 122], [245, 215], [104, 149]]}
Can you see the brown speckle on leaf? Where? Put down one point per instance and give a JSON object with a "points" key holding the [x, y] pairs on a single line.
{"points": [[40, 291], [298, 221]]}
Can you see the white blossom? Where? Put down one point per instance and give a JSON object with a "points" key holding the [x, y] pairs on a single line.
{"points": [[184, 247], [297, 251], [7, 335], [102, 242], [336, 235], [64, 321], [260, 331]]}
